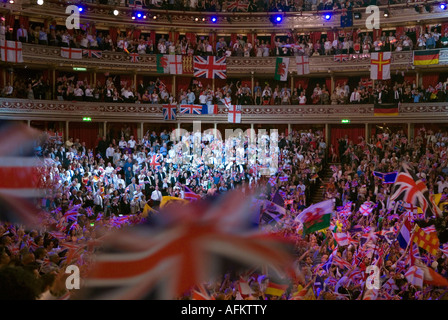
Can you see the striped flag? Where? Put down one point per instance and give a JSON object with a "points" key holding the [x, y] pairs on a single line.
{"points": [[426, 57], [190, 195], [172, 256], [21, 175], [386, 109], [275, 289]]}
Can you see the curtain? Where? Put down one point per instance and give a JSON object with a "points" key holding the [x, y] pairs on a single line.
{"points": [[192, 37], [174, 36], [182, 83], [353, 133], [272, 40], [86, 132], [399, 31], [409, 78], [315, 36], [232, 39], [331, 35], [328, 85], [444, 28], [113, 32], [376, 34], [430, 79], [340, 81], [303, 81], [25, 21]]}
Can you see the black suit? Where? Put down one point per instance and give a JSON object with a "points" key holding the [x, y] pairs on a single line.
{"points": [[161, 175]]}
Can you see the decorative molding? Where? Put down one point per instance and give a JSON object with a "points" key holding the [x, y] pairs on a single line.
{"points": [[281, 114]]}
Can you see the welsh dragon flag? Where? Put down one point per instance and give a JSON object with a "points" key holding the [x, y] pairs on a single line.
{"points": [[316, 217], [163, 65], [281, 69]]}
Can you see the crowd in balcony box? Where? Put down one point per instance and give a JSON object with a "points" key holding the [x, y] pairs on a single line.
{"points": [[240, 46], [155, 91]]}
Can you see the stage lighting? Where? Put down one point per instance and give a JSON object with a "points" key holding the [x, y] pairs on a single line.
{"points": [[276, 18], [214, 19], [80, 9], [196, 19], [11, 1], [133, 18], [116, 12], [386, 13], [327, 16], [154, 17], [144, 16], [139, 15], [442, 6], [203, 19], [40, 2], [357, 15]]}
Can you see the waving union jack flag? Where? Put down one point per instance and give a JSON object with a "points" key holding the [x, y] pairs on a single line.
{"points": [[170, 258], [411, 190], [20, 175], [210, 67]]}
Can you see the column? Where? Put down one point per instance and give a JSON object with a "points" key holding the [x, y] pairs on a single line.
{"points": [[252, 82], [105, 128], [213, 84], [173, 87], [94, 78], [292, 83], [66, 130], [135, 81], [29, 123], [4, 76], [327, 134], [333, 85], [367, 128], [289, 127], [418, 79], [410, 131], [53, 77], [141, 130]]}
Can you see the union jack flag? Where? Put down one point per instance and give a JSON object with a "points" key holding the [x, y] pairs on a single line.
{"points": [[169, 111], [92, 53], [21, 175], [89, 212], [238, 6], [134, 57], [170, 258], [155, 161], [191, 108], [410, 189], [283, 178], [210, 67], [190, 195], [72, 213], [341, 57], [272, 181]]}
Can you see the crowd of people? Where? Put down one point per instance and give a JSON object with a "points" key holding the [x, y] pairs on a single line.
{"points": [[124, 180], [154, 91]]}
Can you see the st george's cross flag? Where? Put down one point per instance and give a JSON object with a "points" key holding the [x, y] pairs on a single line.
{"points": [[380, 65], [11, 51], [303, 65], [210, 67], [234, 113], [175, 63], [71, 53]]}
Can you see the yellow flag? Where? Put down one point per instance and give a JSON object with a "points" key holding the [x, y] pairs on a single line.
{"points": [[147, 210], [169, 200]]}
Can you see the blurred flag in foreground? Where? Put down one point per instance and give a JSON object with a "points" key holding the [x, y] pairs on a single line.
{"points": [[182, 247], [20, 175]]}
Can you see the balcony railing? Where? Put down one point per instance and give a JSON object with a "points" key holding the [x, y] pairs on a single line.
{"points": [[51, 56], [21, 109]]}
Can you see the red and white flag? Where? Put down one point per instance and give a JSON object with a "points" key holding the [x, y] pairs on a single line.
{"points": [[71, 53], [380, 65], [175, 63], [11, 51], [303, 65], [210, 67], [415, 276], [341, 238], [234, 114]]}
